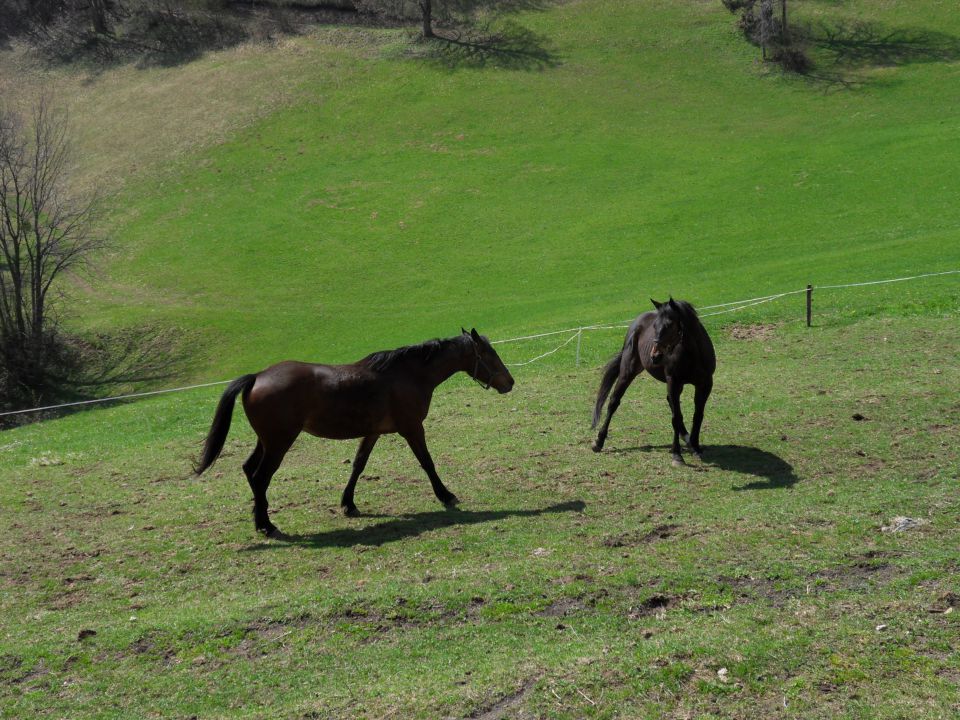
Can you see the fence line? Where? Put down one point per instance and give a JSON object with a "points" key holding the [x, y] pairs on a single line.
{"points": [[566, 342], [883, 282], [576, 333], [115, 397]]}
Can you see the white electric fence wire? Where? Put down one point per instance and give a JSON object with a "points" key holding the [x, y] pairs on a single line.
{"points": [[115, 397], [566, 342], [733, 306], [538, 335], [749, 304], [756, 300], [883, 282]]}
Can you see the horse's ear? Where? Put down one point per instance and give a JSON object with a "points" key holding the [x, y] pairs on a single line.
{"points": [[463, 330], [475, 335], [673, 303], [656, 304]]}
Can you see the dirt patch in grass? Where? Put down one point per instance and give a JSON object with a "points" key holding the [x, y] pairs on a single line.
{"points": [[563, 607], [405, 615], [261, 636], [20, 677], [507, 706], [661, 532], [654, 605], [857, 576], [756, 331]]}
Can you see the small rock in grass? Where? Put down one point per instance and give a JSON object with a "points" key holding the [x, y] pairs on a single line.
{"points": [[901, 523]]}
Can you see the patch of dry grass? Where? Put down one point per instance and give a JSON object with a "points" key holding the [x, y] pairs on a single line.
{"points": [[130, 122]]}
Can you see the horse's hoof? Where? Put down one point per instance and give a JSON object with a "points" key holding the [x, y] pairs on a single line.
{"points": [[271, 531], [677, 461], [451, 502], [597, 447], [350, 511]]}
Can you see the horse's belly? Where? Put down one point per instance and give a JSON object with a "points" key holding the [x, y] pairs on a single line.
{"points": [[345, 425]]}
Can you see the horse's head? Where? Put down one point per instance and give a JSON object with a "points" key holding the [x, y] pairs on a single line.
{"points": [[667, 330], [488, 369]]}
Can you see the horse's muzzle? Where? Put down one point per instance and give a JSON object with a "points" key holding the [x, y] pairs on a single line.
{"points": [[504, 387]]}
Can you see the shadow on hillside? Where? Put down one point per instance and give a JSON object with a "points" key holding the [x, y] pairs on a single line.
{"points": [[843, 48], [167, 35], [509, 47], [411, 525], [103, 365], [868, 44], [774, 472]]}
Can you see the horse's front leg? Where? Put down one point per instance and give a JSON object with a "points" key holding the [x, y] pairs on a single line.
{"points": [[699, 403], [418, 443], [626, 377], [674, 388], [359, 463]]}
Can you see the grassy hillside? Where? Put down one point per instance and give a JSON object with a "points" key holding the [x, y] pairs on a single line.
{"points": [[385, 196]]}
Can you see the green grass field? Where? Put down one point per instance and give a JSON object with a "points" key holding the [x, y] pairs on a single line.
{"points": [[569, 585], [383, 198], [348, 191]]}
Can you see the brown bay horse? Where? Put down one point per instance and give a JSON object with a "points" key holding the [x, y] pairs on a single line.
{"points": [[672, 345], [386, 392]]}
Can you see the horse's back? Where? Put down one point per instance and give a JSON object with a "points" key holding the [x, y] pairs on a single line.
{"points": [[332, 401]]}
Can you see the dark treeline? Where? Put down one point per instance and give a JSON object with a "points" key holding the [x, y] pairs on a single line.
{"points": [[158, 31], [166, 31]]}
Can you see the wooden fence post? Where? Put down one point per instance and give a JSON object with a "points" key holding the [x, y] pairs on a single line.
{"points": [[809, 303]]}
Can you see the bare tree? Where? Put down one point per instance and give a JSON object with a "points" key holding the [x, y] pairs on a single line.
{"points": [[44, 232]]}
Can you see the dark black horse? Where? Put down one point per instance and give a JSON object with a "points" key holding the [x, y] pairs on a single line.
{"points": [[386, 392], [674, 347]]}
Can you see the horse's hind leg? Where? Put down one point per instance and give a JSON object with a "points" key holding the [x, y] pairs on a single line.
{"points": [[623, 382], [260, 481], [699, 403], [359, 463], [679, 429], [253, 462]]}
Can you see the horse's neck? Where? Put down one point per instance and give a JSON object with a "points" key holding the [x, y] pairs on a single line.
{"points": [[446, 364]]}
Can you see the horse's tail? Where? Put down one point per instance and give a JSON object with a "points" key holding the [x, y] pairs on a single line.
{"points": [[221, 422], [610, 374]]}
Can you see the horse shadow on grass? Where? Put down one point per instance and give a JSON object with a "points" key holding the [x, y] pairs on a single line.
{"points": [[772, 471], [411, 525]]}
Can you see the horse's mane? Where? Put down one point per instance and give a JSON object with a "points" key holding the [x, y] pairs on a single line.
{"points": [[386, 359], [688, 315]]}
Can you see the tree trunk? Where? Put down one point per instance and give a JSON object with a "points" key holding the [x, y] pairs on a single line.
{"points": [[766, 26], [426, 9], [98, 16], [783, 21]]}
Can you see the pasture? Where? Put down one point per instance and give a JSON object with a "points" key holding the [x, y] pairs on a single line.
{"points": [[351, 190], [568, 585]]}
